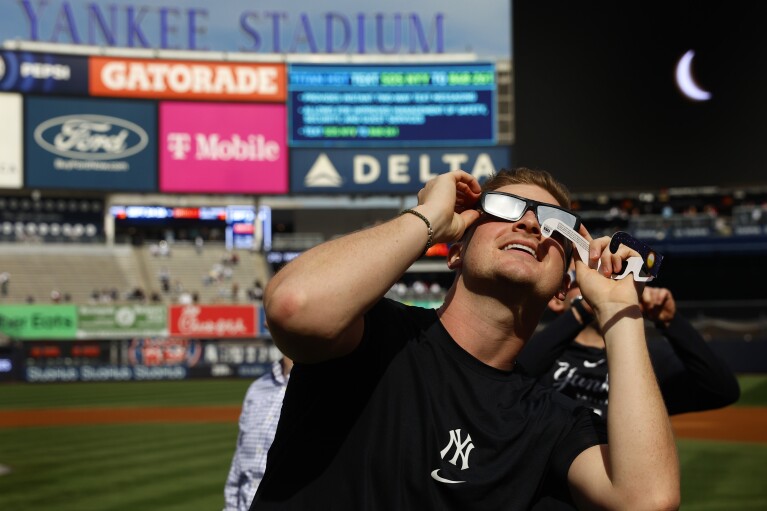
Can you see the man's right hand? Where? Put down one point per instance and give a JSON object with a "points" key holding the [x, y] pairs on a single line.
{"points": [[449, 201]]}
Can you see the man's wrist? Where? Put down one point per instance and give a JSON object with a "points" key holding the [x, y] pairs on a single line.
{"points": [[429, 230]]}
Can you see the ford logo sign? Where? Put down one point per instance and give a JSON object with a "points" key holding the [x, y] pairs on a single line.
{"points": [[91, 137]]}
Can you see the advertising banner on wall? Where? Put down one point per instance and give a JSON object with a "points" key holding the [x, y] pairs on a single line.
{"points": [[219, 321], [38, 321], [223, 148], [401, 170], [141, 358], [90, 144], [150, 352], [43, 73], [120, 321], [11, 128], [171, 79]]}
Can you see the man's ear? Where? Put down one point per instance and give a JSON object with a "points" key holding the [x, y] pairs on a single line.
{"points": [[454, 255], [562, 293], [557, 303]]}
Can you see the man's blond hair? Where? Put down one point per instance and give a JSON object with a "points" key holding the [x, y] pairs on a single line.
{"points": [[526, 176]]}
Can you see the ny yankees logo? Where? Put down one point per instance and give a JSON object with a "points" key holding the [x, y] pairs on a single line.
{"points": [[462, 448]]}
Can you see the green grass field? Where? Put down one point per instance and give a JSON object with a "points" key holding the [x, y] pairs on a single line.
{"points": [[183, 466]]}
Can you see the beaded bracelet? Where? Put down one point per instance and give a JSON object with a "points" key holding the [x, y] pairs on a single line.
{"points": [[430, 240]]}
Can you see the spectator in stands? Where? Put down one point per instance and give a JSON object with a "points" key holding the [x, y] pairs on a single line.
{"points": [[137, 294], [569, 354], [163, 249], [55, 296], [258, 290], [199, 243], [164, 276], [5, 282], [258, 422], [392, 406]]}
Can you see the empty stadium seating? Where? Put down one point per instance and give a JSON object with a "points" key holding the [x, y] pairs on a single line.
{"points": [[77, 271]]}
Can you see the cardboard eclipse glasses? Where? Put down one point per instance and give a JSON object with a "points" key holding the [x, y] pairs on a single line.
{"points": [[644, 267]]}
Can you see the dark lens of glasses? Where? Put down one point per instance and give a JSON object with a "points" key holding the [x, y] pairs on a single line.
{"points": [[510, 207]]}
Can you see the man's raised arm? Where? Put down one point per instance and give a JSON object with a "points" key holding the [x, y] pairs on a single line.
{"points": [[639, 469], [315, 304]]}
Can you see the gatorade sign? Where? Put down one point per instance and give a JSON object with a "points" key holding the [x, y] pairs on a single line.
{"points": [[169, 79]]}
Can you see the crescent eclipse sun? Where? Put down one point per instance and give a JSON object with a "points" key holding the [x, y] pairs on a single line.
{"points": [[685, 81]]}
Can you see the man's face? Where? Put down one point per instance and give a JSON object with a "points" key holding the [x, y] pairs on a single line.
{"points": [[515, 252]]}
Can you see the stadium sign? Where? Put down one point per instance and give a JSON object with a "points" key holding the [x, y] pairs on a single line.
{"points": [[91, 137], [223, 148], [167, 79], [112, 321], [210, 322], [386, 171], [33, 322], [43, 73], [267, 26], [164, 352], [51, 374], [451, 104], [90, 144], [11, 160]]}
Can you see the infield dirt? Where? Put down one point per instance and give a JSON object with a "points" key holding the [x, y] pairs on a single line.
{"points": [[737, 424]]}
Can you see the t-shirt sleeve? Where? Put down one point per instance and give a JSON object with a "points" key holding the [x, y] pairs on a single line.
{"points": [[587, 430]]}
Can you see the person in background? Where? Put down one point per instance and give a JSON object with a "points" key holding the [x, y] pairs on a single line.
{"points": [[258, 422], [569, 355], [392, 406], [5, 281]]}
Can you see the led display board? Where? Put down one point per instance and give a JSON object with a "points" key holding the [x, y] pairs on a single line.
{"points": [[386, 105]]}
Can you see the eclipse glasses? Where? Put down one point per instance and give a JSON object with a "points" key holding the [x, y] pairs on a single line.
{"points": [[507, 206], [645, 267]]}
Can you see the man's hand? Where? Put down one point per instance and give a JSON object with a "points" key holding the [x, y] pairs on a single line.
{"points": [[605, 295], [449, 201], [658, 305]]}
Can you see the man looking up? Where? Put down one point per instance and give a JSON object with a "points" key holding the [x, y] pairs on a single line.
{"points": [[397, 407]]}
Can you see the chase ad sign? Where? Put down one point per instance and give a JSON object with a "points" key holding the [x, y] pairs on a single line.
{"points": [[402, 171], [90, 144]]}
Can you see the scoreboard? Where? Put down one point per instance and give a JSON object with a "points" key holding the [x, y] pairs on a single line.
{"points": [[387, 105]]}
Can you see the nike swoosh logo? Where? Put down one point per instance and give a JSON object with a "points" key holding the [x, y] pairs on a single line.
{"points": [[586, 363], [435, 475]]}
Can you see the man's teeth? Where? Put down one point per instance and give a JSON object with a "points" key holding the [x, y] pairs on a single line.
{"points": [[524, 248]]}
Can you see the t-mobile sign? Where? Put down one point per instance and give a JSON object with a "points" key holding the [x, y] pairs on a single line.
{"points": [[223, 148]]}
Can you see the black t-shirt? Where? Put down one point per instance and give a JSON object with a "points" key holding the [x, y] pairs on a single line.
{"points": [[690, 375], [581, 373], [410, 420]]}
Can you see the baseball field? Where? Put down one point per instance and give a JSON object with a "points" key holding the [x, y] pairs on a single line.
{"points": [[163, 446]]}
